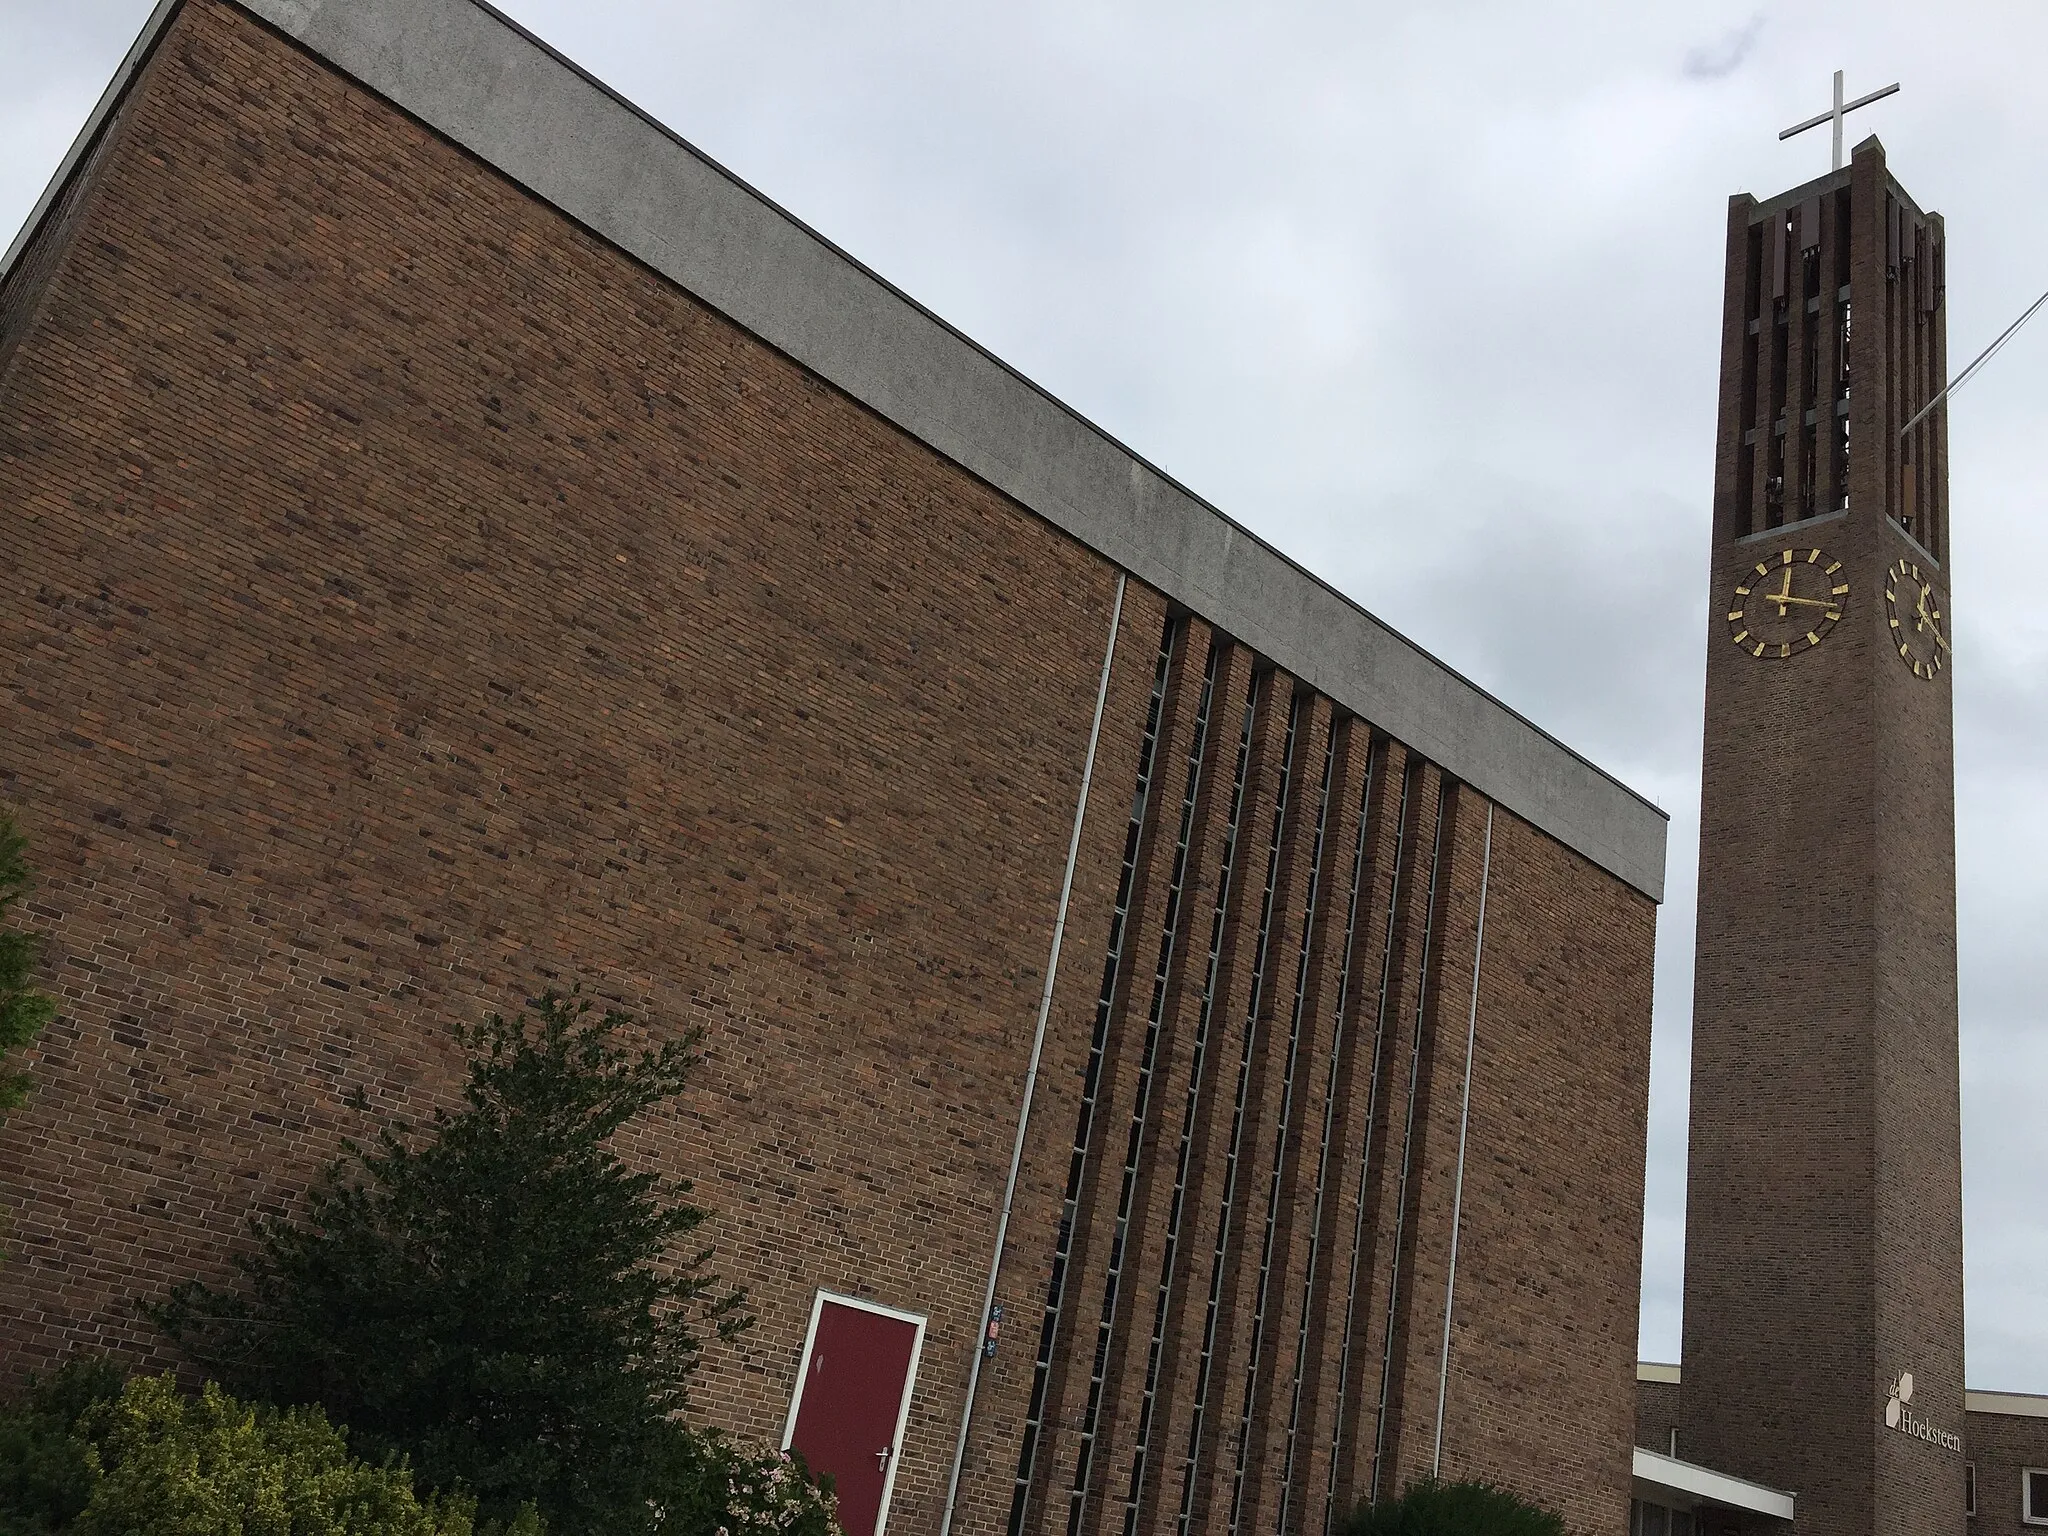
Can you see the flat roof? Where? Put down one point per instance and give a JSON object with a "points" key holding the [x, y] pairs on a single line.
{"points": [[2014, 1405], [484, 82]]}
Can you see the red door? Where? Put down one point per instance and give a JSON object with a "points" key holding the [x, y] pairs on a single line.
{"points": [[850, 1403]]}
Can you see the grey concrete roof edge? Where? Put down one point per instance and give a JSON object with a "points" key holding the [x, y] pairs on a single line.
{"points": [[549, 125]]}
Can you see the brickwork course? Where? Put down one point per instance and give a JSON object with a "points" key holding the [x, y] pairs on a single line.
{"points": [[412, 601]]}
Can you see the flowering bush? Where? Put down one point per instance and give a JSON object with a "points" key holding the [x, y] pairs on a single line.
{"points": [[724, 1486]]}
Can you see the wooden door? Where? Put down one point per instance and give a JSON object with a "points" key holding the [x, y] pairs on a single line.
{"points": [[852, 1400]]}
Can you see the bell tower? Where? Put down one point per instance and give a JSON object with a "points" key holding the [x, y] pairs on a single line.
{"points": [[1823, 1244]]}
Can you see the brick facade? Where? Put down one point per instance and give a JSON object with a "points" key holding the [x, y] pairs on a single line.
{"points": [[411, 602]]}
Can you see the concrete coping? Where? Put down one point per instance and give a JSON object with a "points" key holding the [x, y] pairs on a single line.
{"points": [[485, 83], [2018, 1405], [2013, 1405]]}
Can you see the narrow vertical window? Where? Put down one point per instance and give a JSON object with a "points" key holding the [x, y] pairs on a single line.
{"points": [[1339, 1001], [1077, 1163], [1155, 1018], [1163, 1302], [1443, 800], [1191, 1465], [1372, 1107]]}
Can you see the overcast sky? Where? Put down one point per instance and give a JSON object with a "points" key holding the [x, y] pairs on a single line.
{"points": [[1427, 295]]}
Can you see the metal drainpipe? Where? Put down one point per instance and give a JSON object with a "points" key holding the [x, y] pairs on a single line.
{"points": [[1052, 965]]}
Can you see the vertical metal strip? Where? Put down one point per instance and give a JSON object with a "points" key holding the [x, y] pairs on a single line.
{"points": [[1443, 1375], [1052, 966]]}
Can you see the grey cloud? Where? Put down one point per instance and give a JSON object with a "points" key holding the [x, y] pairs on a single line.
{"points": [[1718, 60]]}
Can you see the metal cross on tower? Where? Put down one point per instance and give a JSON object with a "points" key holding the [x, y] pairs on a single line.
{"points": [[1837, 112]]}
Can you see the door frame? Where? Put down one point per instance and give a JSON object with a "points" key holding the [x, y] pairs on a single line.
{"points": [[803, 1375]]}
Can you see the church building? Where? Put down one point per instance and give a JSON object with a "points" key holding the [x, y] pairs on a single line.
{"points": [[1821, 1386], [1188, 1044]]}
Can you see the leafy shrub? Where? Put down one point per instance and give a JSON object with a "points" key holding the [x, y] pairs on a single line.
{"points": [[715, 1484], [47, 1470], [498, 1302], [23, 1010], [1430, 1508], [85, 1456]]}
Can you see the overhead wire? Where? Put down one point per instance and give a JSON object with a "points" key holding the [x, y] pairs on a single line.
{"points": [[1982, 358]]}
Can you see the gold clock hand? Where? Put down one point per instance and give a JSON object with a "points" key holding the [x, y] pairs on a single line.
{"points": [[1784, 594], [1921, 617], [1804, 602]]}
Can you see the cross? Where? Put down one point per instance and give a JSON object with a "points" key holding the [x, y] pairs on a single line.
{"points": [[1836, 113]]}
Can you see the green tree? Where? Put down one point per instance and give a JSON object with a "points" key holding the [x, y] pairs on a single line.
{"points": [[23, 1010], [1430, 1508], [497, 1300], [47, 1469]]}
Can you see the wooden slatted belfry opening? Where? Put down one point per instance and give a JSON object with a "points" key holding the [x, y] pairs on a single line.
{"points": [[1841, 285]]}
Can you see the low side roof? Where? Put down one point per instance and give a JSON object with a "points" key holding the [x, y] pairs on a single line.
{"points": [[1655, 1473], [480, 79]]}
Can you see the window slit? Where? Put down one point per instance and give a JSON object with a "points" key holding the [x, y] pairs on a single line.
{"points": [[1280, 1131], [1340, 999], [1436, 849], [1372, 1101], [1205, 1363], [1141, 1101], [1048, 1333], [1163, 1303]]}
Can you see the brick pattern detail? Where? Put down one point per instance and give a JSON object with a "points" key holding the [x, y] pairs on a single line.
{"points": [[410, 603], [1657, 1415]]}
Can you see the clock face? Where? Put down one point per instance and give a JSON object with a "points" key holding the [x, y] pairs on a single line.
{"points": [[1919, 622], [1787, 603]]}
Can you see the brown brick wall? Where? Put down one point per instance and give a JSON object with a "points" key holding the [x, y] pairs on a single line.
{"points": [[2001, 1446], [1657, 1416], [411, 603], [1545, 1316]]}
